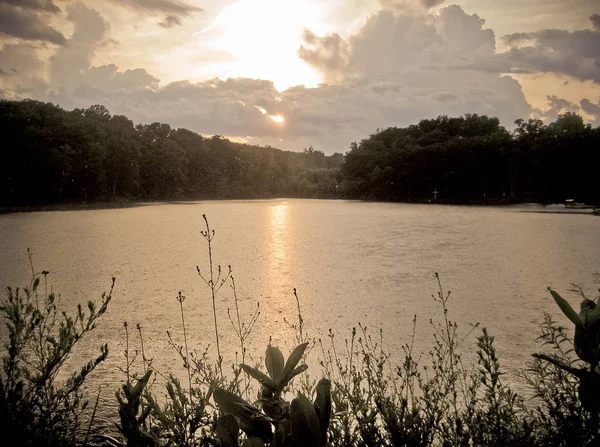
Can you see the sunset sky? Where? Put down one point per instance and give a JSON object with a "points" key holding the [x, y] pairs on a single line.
{"points": [[310, 72]]}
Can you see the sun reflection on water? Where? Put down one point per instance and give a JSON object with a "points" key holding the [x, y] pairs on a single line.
{"points": [[276, 273], [279, 243]]}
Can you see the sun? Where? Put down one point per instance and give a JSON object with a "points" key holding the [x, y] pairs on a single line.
{"points": [[264, 36], [277, 118]]}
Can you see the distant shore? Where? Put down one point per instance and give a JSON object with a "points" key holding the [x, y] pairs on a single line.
{"points": [[74, 206], [116, 204], [587, 212]]}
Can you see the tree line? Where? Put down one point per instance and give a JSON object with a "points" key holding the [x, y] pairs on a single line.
{"points": [[55, 156], [474, 159], [51, 155]]}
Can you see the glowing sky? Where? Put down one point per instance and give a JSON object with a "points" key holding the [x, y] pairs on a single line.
{"points": [[308, 72]]}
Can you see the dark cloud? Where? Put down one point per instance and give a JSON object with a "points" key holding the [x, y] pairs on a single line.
{"points": [[557, 106], [589, 107], [561, 105], [170, 21], [161, 6], [595, 18], [431, 3], [174, 10], [328, 54], [36, 5], [574, 53], [25, 24], [516, 38], [408, 5]]}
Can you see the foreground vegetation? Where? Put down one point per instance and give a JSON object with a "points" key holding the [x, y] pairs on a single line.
{"points": [[55, 156], [364, 396]]}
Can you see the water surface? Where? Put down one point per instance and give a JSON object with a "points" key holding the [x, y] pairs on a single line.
{"points": [[351, 262]]}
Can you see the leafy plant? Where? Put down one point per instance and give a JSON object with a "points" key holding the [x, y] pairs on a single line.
{"points": [[580, 413], [275, 421], [36, 408], [132, 425]]}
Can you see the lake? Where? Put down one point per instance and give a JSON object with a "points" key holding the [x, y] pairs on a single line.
{"points": [[350, 262]]}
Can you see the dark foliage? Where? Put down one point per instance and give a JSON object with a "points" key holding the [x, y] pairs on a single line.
{"points": [[51, 155], [55, 156], [36, 407], [474, 159]]}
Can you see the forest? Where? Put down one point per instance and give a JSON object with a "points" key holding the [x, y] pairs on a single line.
{"points": [[474, 159], [52, 156]]}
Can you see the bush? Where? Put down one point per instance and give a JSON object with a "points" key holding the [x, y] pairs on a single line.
{"points": [[35, 407]]}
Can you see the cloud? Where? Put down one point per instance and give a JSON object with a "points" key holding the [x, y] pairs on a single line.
{"points": [[225, 107], [392, 44], [397, 69], [20, 22], [394, 71], [108, 79], [589, 107], [329, 54], [161, 6], [574, 53], [37, 5], [19, 58], [562, 105], [69, 64], [409, 5], [557, 106], [23, 71], [174, 10], [170, 21], [333, 114]]}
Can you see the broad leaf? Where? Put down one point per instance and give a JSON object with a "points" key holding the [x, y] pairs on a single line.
{"points": [[306, 430], [274, 362], [253, 442], [298, 370], [259, 375], [249, 417], [566, 308], [228, 431], [233, 404], [323, 406], [594, 313], [139, 387], [291, 363]]}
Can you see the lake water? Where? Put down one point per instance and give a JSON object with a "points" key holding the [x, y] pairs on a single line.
{"points": [[350, 261]]}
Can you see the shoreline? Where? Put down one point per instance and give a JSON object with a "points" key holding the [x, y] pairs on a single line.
{"points": [[122, 204], [77, 206]]}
